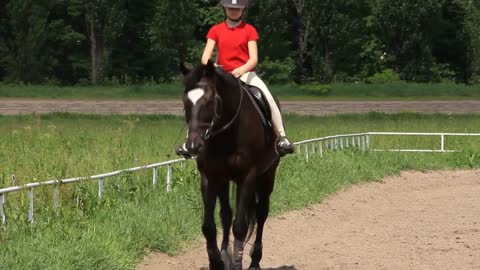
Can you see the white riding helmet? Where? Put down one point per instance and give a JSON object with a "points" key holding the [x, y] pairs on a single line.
{"points": [[234, 3]]}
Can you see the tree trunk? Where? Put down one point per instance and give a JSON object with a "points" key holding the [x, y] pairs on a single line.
{"points": [[96, 49]]}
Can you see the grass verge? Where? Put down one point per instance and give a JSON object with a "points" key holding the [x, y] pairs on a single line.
{"points": [[86, 233]]}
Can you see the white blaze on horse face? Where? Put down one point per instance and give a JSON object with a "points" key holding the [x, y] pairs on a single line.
{"points": [[195, 94]]}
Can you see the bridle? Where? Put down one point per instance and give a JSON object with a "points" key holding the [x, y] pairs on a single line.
{"points": [[209, 132]]}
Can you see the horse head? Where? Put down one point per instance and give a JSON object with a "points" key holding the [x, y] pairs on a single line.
{"points": [[203, 103]]}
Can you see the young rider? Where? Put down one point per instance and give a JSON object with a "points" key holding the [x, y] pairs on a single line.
{"points": [[236, 43]]}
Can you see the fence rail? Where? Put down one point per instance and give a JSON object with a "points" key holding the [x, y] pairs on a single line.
{"points": [[363, 141], [311, 146], [100, 177]]}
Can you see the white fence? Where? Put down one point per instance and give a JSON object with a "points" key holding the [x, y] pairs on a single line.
{"points": [[310, 147], [363, 141]]}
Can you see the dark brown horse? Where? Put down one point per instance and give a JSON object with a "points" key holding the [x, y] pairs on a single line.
{"points": [[231, 143]]}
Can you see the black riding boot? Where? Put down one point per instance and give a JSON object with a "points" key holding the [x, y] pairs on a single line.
{"points": [[284, 146], [183, 151]]}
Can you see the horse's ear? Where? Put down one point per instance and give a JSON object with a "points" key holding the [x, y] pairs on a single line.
{"points": [[184, 69], [210, 69]]}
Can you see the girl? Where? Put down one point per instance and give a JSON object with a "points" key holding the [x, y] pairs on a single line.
{"points": [[236, 43]]}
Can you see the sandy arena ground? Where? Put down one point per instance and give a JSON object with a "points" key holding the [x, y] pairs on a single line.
{"points": [[414, 221]]}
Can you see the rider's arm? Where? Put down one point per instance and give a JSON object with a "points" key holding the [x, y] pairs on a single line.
{"points": [[208, 51], [253, 54]]}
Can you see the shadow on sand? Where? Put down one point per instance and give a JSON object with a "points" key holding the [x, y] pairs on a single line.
{"points": [[276, 268]]}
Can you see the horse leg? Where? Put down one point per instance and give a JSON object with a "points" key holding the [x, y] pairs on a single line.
{"points": [[241, 222], [265, 188], [208, 227], [226, 216]]}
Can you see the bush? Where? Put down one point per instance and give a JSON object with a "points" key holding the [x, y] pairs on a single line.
{"points": [[316, 89], [442, 73], [385, 76], [276, 71]]}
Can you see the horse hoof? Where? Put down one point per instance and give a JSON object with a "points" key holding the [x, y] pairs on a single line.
{"points": [[227, 261], [217, 267], [237, 266]]}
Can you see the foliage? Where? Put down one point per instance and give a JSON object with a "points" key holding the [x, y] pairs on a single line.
{"points": [[64, 42], [278, 71], [125, 88], [316, 89], [385, 76]]}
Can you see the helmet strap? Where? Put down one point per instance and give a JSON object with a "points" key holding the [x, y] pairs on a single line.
{"points": [[232, 20]]}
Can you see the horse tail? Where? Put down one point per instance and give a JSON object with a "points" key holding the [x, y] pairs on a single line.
{"points": [[250, 213], [251, 216]]}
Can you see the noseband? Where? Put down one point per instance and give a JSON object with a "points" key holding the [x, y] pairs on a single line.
{"points": [[209, 133]]}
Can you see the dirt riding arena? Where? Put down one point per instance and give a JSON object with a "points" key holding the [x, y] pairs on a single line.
{"points": [[414, 221], [22, 106]]}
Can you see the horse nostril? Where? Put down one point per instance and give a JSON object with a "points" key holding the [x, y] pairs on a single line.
{"points": [[195, 146], [192, 146]]}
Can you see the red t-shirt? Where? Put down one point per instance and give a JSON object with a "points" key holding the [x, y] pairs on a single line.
{"points": [[232, 43]]}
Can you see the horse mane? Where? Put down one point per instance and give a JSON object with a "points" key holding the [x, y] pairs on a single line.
{"points": [[227, 78], [200, 71], [193, 77]]}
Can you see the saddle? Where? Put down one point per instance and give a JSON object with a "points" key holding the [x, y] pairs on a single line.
{"points": [[260, 103]]}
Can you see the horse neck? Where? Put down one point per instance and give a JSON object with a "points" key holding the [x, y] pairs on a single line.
{"points": [[231, 95]]}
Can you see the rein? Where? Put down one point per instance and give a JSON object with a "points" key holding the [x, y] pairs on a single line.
{"points": [[209, 133]]}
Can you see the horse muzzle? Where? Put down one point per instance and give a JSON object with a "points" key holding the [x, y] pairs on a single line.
{"points": [[195, 145]]}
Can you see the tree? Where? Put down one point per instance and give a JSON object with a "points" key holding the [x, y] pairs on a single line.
{"points": [[171, 33], [337, 35], [405, 27], [302, 27], [472, 36], [104, 20], [25, 39]]}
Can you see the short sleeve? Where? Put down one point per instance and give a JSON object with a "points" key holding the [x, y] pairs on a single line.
{"points": [[252, 34], [213, 34]]}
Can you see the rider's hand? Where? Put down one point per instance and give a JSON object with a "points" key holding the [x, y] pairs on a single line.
{"points": [[238, 72]]}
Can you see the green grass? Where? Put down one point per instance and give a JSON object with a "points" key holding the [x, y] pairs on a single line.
{"points": [[113, 233], [339, 91]]}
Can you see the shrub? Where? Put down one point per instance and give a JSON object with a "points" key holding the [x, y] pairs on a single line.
{"points": [[276, 71], [385, 76], [316, 89]]}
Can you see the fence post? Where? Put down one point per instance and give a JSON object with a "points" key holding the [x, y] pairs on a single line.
{"points": [[169, 178], [30, 208], [341, 143], [346, 142], [368, 142], [442, 143], [2, 213], [320, 149], [155, 176], [56, 203], [313, 148], [100, 188], [306, 152], [353, 141]]}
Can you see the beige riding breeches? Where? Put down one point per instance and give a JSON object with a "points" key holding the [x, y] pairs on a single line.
{"points": [[251, 78]]}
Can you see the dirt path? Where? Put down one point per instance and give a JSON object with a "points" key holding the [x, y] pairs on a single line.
{"points": [[415, 221], [24, 106]]}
